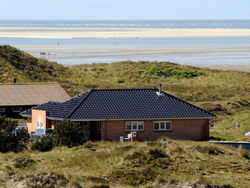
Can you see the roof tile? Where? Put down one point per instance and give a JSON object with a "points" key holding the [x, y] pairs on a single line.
{"points": [[124, 104], [31, 94]]}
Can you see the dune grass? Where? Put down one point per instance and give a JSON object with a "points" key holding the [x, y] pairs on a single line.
{"points": [[233, 127], [221, 92], [162, 163]]}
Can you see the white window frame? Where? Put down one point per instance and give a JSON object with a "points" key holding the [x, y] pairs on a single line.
{"points": [[39, 123], [165, 126], [20, 109], [137, 123], [2, 109]]}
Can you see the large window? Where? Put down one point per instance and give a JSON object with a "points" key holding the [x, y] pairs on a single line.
{"points": [[2, 109], [17, 109], [134, 126], [162, 125]]}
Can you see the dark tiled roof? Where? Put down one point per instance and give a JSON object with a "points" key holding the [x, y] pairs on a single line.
{"points": [[31, 94], [49, 106], [58, 109], [124, 104]]}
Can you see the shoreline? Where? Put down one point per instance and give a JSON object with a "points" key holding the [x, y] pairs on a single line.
{"points": [[109, 33], [238, 68]]}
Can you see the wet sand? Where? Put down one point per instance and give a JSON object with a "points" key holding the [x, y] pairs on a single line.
{"points": [[38, 32], [186, 56], [231, 56], [242, 68]]}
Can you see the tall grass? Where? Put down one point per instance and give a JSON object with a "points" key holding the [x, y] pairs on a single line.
{"points": [[233, 128], [125, 164]]}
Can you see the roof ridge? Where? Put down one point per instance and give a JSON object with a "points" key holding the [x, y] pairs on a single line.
{"points": [[113, 89], [74, 109], [189, 103]]}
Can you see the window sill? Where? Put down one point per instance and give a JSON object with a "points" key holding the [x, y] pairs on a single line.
{"points": [[133, 131], [163, 130]]}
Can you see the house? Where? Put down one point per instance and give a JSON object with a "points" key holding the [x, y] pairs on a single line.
{"points": [[107, 114], [15, 98]]}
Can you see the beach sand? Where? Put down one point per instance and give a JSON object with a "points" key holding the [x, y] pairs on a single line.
{"points": [[86, 53], [38, 32], [242, 68]]}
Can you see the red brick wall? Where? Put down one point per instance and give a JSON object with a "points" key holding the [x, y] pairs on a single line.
{"points": [[188, 129]]}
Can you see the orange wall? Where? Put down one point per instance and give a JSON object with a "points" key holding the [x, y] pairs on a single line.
{"points": [[32, 122], [188, 129]]}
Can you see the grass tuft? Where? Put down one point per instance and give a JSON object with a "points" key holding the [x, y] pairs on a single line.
{"points": [[24, 163], [166, 163]]}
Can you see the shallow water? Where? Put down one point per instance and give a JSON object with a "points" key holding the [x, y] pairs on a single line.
{"points": [[210, 51], [206, 51], [235, 24]]}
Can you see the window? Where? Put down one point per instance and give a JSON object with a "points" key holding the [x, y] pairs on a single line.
{"points": [[134, 126], [128, 126], [162, 125], [140, 126], [39, 123], [17, 109], [2, 109]]}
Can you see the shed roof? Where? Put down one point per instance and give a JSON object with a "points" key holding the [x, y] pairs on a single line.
{"points": [[122, 104], [31, 94]]}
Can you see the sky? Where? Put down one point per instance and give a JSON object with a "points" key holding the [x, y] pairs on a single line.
{"points": [[124, 9]]}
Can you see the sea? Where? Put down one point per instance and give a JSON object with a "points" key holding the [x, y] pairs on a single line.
{"points": [[197, 51]]}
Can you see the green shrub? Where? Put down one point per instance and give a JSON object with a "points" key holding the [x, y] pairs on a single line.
{"points": [[155, 70], [185, 73], [169, 71], [19, 142], [46, 143], [120, 81], [8, 141], [68, 133]]}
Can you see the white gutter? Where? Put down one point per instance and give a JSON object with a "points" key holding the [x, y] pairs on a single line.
{"points": [[25, 115]]}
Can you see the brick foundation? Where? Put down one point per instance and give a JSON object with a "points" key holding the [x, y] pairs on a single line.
{"points": [[187, 129]]}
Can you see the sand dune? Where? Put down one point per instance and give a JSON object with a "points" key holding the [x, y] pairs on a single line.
{"points": [[37, 32]]}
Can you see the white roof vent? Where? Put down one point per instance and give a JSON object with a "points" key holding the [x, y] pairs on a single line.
{"points": [[159, 92]]}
